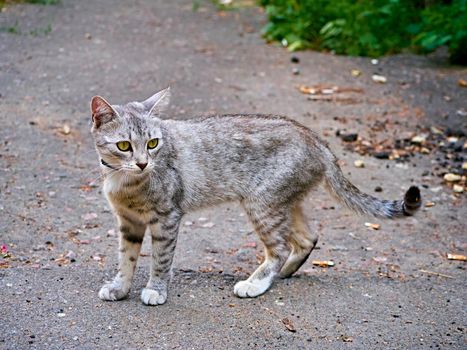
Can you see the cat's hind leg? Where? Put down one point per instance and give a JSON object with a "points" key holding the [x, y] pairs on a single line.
{"points": [[302, 242], [131, 237], [272, 226]]}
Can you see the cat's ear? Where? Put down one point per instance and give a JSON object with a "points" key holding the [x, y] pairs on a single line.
{"points": [[158, 103], [102, 111]]}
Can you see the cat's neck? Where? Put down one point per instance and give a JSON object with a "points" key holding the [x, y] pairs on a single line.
{"points": [[119, 182]]}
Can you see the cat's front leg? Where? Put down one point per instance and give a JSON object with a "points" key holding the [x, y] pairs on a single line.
{"points": [[164, 239], [131, 238]]}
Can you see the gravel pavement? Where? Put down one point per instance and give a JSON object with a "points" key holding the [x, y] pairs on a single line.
{"points": [[391, 288]]}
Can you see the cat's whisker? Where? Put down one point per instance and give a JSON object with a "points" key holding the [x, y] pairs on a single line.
{"points": [[97, 179], [98, 168], [108, 174]]}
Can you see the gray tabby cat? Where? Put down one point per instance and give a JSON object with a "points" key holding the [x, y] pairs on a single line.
{"points": [[157, 170]]}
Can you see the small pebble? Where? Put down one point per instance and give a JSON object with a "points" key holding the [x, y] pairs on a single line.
{"points": [[379, 78], [359, 163], [378, 189], [450, 177], [66, 129], [296, 71], [349, 137], [294, 59], [382, 155], [458, 188], [418, 139]]}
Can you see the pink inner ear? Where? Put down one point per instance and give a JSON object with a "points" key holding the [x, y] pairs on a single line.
{"points": [[101, 111], [98, 105], [95, 103]]}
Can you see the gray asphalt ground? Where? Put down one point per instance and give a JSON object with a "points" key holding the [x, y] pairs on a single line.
{"points": [[392, 288]]}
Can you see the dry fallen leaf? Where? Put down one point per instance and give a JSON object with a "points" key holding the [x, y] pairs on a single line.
{"points": [[433, 273], [85, 188], [380, 259], [4, 264], [250, 245], [347, 339], [289, 325], [206, 269], [307, 90], [372, 226], [323, 263], [322, 89], [462, 83], [459, 257]]}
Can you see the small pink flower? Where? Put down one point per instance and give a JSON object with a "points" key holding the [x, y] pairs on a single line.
{"points": [[4, 249]]}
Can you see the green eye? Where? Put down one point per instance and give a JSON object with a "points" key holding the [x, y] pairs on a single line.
{"points": [[124, 146], [153, 143]]}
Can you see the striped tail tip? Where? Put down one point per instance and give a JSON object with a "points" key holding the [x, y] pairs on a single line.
{"points": [[412, 201]]}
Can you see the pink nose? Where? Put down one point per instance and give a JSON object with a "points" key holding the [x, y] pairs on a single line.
{"points": [[141, 165]]}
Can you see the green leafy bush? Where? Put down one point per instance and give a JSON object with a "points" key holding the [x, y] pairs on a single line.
{"points": [[368, 28]]}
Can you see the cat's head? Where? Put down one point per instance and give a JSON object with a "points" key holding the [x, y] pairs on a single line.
{"points": [[128, 137]]}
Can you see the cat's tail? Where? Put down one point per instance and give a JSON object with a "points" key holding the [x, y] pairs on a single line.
{"points": [[363, 203]]}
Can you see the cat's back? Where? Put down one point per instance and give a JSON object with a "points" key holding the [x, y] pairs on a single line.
{"points": [[244, 142], [253, 129]]}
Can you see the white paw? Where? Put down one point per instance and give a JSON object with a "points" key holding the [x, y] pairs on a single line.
{"points": [[247, 289], [153, 297], [112, 292]]}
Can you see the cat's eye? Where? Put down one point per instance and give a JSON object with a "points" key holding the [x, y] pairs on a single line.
{"points": [[124, 146], [153, 143]]}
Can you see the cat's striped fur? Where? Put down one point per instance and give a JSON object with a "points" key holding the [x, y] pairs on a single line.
{"points": [[267, 163]]}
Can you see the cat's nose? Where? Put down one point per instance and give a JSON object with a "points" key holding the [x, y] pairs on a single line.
{"points": [[141, 165]]}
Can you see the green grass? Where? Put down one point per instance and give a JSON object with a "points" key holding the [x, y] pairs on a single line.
{"points": [[3, 3], [14, 29], [369, 28], [43, 2], [37, 32]]}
